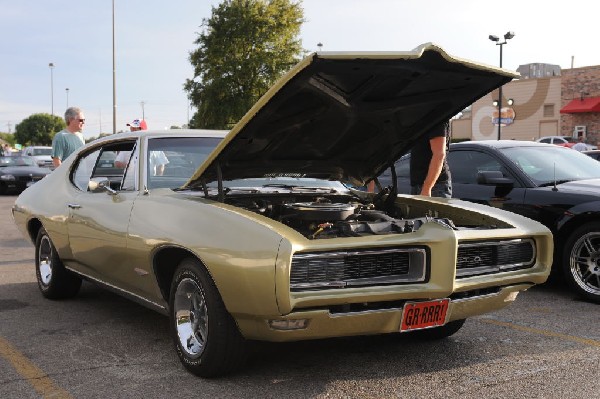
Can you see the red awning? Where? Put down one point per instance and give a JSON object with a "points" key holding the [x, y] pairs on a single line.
{"points": [[588, 104]]}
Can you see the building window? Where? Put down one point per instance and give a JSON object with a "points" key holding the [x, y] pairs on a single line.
{"points": [[548, 110]]}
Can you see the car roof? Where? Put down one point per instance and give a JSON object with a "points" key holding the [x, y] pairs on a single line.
{"points": [[503, 144], [161, 133]]}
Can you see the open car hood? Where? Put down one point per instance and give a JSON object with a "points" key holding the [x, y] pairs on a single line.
{"points": [[348, 116]]}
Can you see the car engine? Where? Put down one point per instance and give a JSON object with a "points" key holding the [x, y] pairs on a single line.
{"points": [[323, 218]]}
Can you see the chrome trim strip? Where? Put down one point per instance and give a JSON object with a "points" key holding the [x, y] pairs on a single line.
{"points": [[339, 254], [119, 290], [500, 292], [476, 297], [364, 312]]}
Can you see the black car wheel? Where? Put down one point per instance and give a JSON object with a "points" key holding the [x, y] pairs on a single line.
{"points": [[205, 335], [444, 331], [54, 281], [581, 261]]}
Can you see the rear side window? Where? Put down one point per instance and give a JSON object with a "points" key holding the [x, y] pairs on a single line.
{"points": [[171, 162]]}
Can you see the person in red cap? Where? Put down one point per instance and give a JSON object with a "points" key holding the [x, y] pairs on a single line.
{"points": [[137, 124], [123, 156], [157, 159]]}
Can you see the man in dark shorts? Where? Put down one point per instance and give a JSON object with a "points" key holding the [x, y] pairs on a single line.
{"points": [[429, 172]]}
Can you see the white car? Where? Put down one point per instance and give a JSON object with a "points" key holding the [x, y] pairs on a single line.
{"points": [[41, 154], [563, 141]]}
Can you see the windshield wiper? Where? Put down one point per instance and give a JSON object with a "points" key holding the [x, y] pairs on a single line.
{"points": [[293, 187], [552, 183]]}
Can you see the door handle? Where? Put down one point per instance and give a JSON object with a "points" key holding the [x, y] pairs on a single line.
{"points": [[74, 206]]}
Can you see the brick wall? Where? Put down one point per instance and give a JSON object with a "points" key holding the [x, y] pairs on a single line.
{"points": [[575, 83]]}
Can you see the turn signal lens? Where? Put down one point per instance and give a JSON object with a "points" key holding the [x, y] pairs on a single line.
{"points": [[298, 324]]}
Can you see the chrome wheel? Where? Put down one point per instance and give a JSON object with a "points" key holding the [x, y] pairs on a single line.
{"points": [[54, 281], [191, 317], [206, 338], [45, 260], [584, 262]]}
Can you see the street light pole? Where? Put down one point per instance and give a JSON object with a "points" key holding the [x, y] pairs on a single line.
{"points": [[51, 65], [67, 90], [508, 35], [114, 73], [142, 103]]}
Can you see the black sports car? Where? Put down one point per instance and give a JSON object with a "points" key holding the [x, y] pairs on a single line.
{"points": [[19, 172], [556, 186], [592, 153]]}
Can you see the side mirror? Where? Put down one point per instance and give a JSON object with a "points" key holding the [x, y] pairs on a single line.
{"points": [[493, 178], [100, 184], [503, 185]]}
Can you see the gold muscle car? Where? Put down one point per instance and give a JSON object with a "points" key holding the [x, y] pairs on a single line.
{"points": [[259, 233]]}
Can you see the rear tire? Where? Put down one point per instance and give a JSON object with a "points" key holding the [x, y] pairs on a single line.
{"points": [[581, 261], [54, 281], [205, 335]]}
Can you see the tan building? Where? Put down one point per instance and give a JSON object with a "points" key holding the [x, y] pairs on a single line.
{"points": [[540, 107]]}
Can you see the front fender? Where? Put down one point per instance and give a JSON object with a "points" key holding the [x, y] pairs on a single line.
{"points": [[587, 210]]}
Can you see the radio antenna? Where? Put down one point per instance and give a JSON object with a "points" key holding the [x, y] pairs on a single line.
{"points": [[554, 188]]}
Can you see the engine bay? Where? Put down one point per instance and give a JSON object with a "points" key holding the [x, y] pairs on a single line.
{"points": [[318, 217]]}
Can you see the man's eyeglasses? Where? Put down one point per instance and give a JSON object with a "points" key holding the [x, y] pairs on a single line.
{"points": [[82, 120]]}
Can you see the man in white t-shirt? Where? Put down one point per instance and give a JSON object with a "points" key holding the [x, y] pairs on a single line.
{"points": [[158, 160]]}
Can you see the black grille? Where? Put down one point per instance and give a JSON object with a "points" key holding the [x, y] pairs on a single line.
{"points": [[28, 178], [475, 258], [356, 268]]}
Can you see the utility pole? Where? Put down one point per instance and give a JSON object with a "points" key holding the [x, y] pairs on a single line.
{"points": [[9, 125], [51, 66]]}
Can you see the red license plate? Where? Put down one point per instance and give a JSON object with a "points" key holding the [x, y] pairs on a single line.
{"points": [[419, 315]]}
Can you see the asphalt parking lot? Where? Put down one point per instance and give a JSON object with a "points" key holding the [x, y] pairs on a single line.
{"points": [[99, 345]]}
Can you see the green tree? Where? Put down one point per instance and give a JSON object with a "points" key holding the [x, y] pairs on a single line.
{"points": [[244, 48], [9, 138], [38, 129]]}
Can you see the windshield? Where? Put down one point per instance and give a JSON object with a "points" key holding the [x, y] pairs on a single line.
{"points": [[546, 164], [17, 161]]}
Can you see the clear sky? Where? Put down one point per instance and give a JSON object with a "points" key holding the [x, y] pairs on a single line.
{"points": [[154, 37]]}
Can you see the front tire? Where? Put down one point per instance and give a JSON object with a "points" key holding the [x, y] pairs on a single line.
{"points": [[441, 332], [54, 281], [205, 335], [581, 261]]}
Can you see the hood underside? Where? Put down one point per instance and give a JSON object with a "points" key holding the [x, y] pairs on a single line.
{"points": [[348, 116]]}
